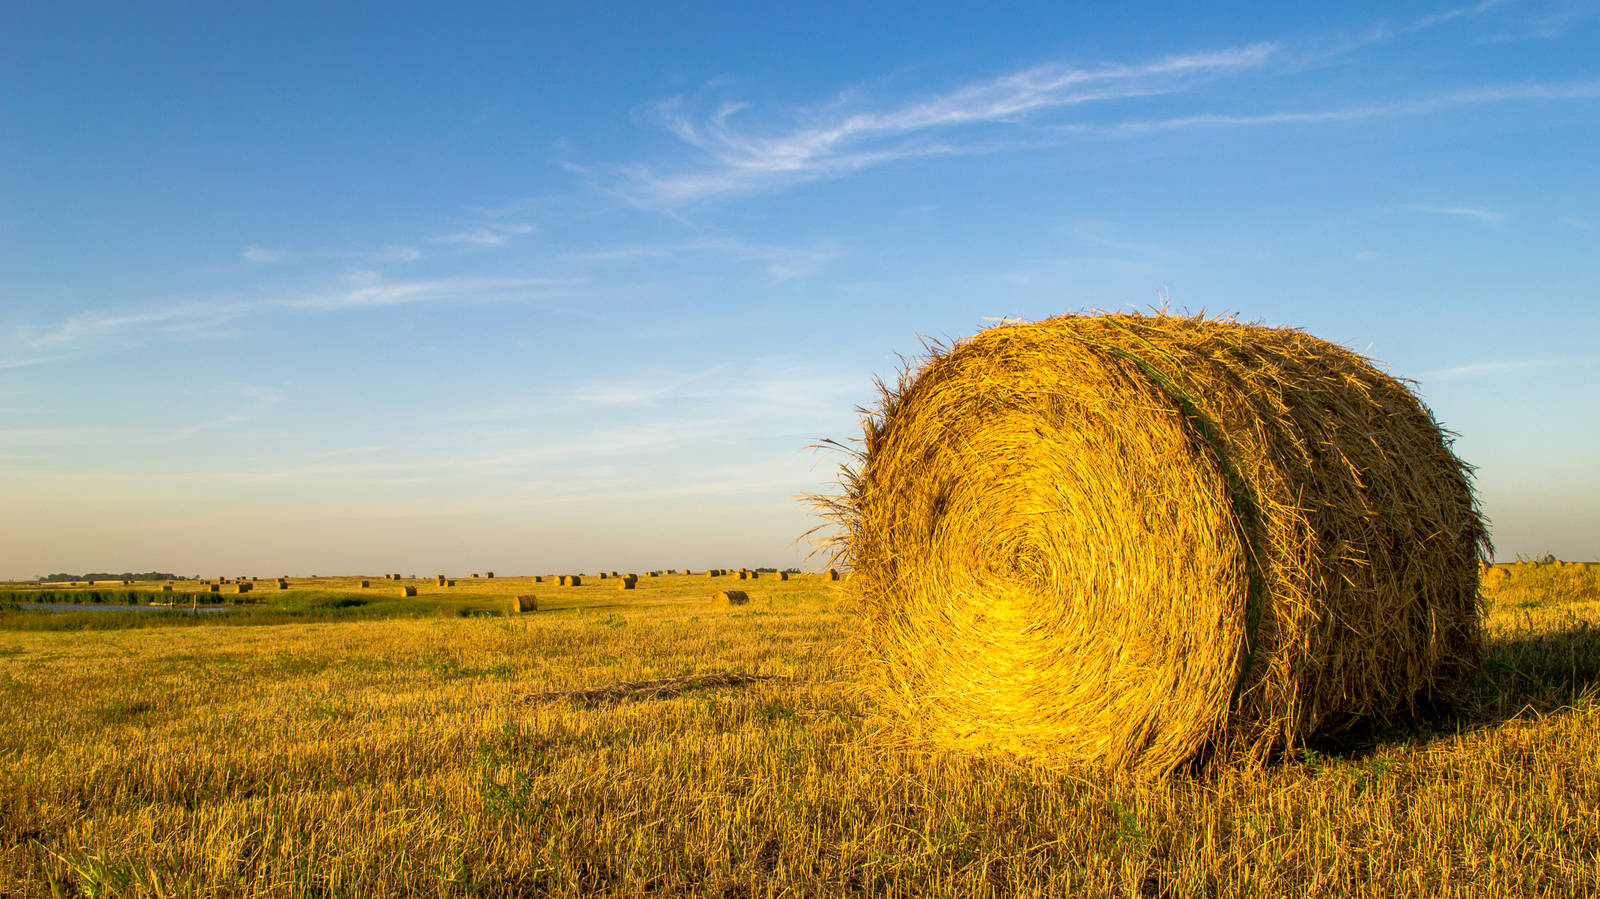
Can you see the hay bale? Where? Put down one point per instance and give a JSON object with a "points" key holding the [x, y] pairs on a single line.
{"points": [[733, 597], [526, 602], [744, 575], [711, 572], [397, 577], [450, 583], [243, 587], [282, 584], [630, 582], [783, 575], [1140, 542], [408, 590], [488, 575], [575, 580], [833, 574], [215, 588], [365, 584], [538, 579], [439, 579], [603, 575], [166, 588]]}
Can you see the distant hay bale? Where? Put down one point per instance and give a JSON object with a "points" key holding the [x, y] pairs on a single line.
{"points": [[783, 575], [408, 590], [397, 577], [630, 582], [474, 574], [603, 575], [439, 578], [614, 574], [243, 587], [166, 588], [575, 580], [711, 572], [450, 583], [526, 602], [365, 584], [538, 579], [488, 575], [282, 584], [833, 574], [655, 574], [215, 588], [1141, 542], [733, 597], [744, 575]]}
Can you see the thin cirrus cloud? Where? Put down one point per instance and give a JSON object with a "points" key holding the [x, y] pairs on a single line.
{"points": [[1480, 369], [1473, 213], [832, 141], [485, 236], [99, 328], [838, 143]]}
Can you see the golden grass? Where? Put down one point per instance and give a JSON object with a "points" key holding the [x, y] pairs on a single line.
{"points": [[1146, 541], [428, 757]]}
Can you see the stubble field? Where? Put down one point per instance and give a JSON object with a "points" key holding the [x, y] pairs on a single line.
{"points": [[336, 741]]}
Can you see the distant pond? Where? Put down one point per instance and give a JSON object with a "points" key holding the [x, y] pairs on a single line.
{"points": [[104, 607]]}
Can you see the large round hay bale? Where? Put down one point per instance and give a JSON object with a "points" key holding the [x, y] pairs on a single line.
{"points": [[631, 582], [575, 580], [1146, 541], [732, 597], [526, 602], [408, 590]]}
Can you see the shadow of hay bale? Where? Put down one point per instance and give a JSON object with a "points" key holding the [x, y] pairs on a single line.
{"points": [[644, 690]]}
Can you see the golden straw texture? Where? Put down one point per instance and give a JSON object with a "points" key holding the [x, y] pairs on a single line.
{"points": [[1146, 541]]}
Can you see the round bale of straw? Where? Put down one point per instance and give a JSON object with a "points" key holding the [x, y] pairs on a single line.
{"points": [[526, 602], [1144, 542], [733, 597], [575, 580], [408, 590]]}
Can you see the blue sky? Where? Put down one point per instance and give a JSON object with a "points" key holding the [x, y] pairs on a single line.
{"points": [[532, 287]]}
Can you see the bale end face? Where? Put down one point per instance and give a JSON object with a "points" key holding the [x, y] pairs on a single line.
{"points": [[733, 597]]}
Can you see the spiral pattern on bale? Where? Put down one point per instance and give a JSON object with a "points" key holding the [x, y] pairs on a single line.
{"points": [[1150, 541]]}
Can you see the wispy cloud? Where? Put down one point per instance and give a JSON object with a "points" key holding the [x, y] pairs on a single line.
{"points": [[1474, 213], [779, 261], [740, 148], [1582, 90], [95, 329], [255, 253], [831, 140], [1481, 369], [484, 236], [371, 291]]}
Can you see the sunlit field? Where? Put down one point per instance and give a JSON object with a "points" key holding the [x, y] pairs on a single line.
{"points": [[329, 740]]}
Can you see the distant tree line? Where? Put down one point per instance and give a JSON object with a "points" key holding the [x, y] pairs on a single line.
{"points": [[110, 576]]}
